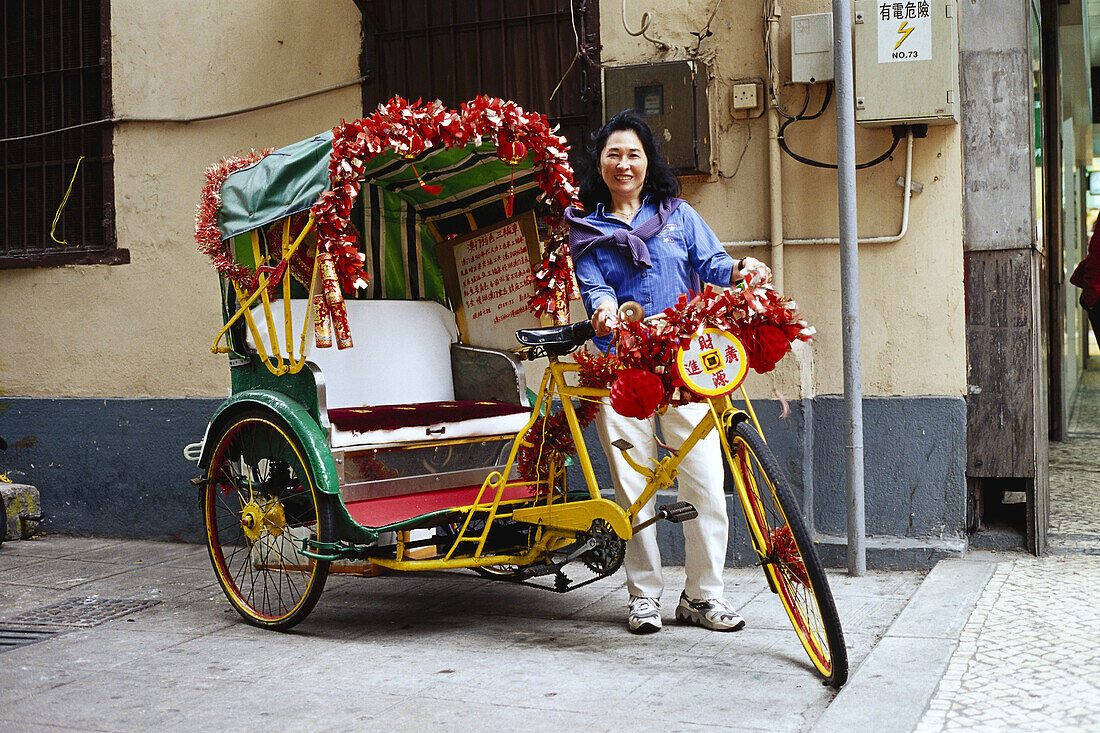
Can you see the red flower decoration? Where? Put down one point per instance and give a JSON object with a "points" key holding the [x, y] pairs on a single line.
{"points": [[207, 234], [637, 393], [765, 345]]}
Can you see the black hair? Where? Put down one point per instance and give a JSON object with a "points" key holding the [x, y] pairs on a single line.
{"points": [[660, 180]]}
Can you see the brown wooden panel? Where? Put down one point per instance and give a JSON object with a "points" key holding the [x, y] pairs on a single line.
{"points": [[453, 50], [1002, 351]]}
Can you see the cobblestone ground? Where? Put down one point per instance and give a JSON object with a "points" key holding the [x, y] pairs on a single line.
{"points": [[1028, 657]]}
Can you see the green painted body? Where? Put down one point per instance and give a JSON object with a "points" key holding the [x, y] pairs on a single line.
{"points": [[314, 444]]}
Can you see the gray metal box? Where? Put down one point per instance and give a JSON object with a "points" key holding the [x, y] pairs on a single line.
{"points": [[811, 48], [672, 97], [906, 62]]}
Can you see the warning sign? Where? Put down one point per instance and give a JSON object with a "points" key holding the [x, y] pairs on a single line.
{"points": [[904, 31]]}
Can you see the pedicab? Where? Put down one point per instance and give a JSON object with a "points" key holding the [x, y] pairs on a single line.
{"points": [[378, 418]]}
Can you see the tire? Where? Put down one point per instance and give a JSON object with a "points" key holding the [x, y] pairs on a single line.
{"points": [[259, 501], [787, 554]]}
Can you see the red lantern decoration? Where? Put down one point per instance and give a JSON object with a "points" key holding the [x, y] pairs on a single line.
{"points": [[511, 152], [637, 393]]}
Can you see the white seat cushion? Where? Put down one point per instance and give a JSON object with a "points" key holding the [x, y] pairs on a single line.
{"points": [[482, 426], [402, 352]]}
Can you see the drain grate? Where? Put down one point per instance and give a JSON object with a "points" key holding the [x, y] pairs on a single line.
{"points": [[81, 612], [12, 637]]}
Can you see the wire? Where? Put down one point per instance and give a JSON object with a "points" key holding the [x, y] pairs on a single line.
{"points": [[705, 31], [646, 19], [186, 120], [817, 163], [64, 200], [745, 147], [577, 43]]}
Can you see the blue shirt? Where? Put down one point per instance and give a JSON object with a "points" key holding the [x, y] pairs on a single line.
{"points": [[686, 247]]}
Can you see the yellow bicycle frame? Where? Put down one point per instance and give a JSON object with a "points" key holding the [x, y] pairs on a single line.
{"points": [[290, 363], [561, 521]]}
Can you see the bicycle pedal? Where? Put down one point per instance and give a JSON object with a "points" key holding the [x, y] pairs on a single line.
{"points": [[681, 511], [622, 444]]}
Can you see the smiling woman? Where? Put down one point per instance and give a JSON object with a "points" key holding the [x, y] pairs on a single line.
{"points": [[636, 241]]}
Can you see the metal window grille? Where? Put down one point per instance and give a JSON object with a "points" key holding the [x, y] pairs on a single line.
{"points": [[453, 50], [54, 71]]}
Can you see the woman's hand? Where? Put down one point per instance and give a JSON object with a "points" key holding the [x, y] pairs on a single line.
{"points": [[605, 317]]}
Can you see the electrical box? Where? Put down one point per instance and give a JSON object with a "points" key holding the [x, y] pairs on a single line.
{"points": [[811, 48], [906, 62], [673, 98]]}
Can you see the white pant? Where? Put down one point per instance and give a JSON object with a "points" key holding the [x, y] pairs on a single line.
{"points": [[699, 482]]}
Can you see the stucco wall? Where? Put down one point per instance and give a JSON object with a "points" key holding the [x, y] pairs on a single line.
{"points": [[912, 308], [145, 329]]}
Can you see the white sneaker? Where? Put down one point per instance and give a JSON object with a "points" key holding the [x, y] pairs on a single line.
{"points": [[715, 614], [643, 615]]}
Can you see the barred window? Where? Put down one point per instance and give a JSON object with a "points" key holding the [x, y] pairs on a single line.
{"points": [[55, 75]]}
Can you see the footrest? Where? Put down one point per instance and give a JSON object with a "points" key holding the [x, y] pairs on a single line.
{"points": [[679, 512]]}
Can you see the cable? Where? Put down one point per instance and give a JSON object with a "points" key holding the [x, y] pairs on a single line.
{"points": [[705, 31], [577, 40], [186, 120], [817, 163]]}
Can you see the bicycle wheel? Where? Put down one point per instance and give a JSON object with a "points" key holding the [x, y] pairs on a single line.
{"points": [[259, 503], [787, 553]]}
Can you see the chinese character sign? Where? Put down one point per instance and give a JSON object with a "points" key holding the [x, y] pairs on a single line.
{"points": [[713, 364], [904, 30], [493, 266]]}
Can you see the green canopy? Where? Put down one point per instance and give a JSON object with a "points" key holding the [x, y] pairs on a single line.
{"points": [[291, 179], [285, 182], [394, 214]]}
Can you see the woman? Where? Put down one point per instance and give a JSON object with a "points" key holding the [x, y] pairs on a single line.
{"points": [[635, 240]]}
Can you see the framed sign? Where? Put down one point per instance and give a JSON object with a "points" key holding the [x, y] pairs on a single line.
{"points": [[486, 275]]}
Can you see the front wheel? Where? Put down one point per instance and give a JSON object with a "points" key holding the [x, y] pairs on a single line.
{"points": [[786, 551], [260, 502]]}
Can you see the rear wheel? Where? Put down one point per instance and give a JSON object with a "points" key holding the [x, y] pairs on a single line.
{"points": [[260, 502], [787, 553]]}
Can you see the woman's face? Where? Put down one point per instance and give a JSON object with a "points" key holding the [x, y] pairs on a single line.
{"points": [[623, 165]]}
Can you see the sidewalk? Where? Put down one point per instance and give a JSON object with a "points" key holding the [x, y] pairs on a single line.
{"points": [[441, 652], [1025, 657]]}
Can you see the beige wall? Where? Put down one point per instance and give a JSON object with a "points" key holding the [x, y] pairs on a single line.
{"points": [[145, 329], [912, 309]]}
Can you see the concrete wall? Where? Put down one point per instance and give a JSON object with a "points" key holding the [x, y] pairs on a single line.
{"points": [[132, 342], [144, 329]]}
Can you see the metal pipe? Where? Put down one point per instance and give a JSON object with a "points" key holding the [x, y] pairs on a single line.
{"points": [[849, 280], [775, 156], [886, 239]]}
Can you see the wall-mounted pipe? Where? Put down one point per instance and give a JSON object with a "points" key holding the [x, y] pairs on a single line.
{"points": [[887, 239]]}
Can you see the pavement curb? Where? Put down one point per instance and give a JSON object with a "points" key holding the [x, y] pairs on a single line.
{"points": [[908, 663]]}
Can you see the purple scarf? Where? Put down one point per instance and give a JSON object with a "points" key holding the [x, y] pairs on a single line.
{"points": [[585, 235]]}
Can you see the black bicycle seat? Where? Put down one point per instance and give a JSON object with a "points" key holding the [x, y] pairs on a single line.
{"points": [[557, 340]]}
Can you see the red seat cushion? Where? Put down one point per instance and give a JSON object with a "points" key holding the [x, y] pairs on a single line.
{"points": [[393, 417], [393, 509]]}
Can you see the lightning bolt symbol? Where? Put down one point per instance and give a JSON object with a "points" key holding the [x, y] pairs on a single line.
{"points": [[904, 34]]}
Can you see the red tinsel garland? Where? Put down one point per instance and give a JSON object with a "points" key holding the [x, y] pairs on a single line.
{"points": [[207, 234], [765, 321], [410, 129]]}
